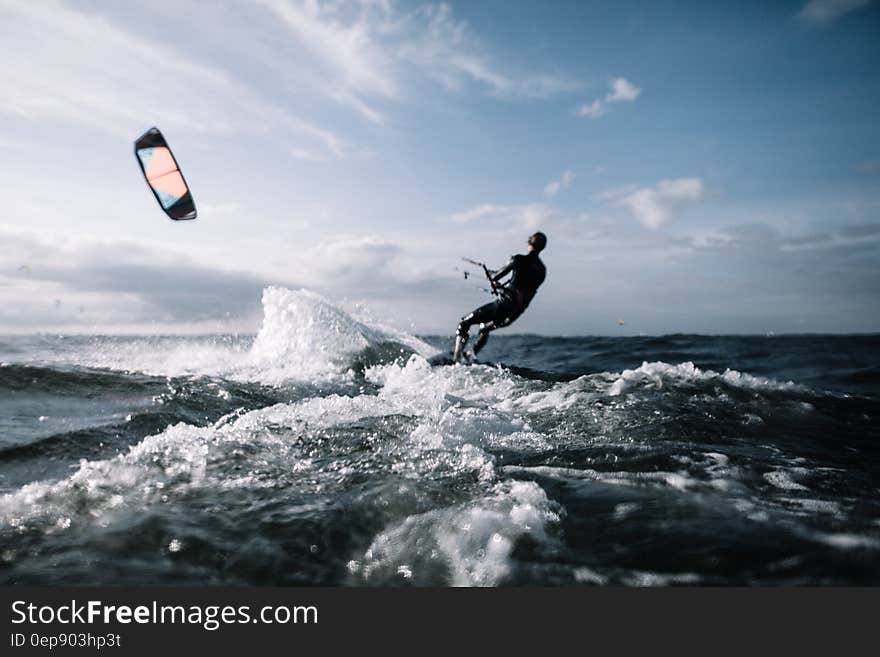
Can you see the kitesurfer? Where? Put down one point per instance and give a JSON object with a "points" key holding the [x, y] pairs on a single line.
{"points": [[527, 273]]}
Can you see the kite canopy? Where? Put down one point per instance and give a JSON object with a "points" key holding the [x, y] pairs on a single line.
{"points": [[164, 176]]}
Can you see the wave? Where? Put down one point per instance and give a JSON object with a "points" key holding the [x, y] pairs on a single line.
{"points": [[466, 545], [424, 430], [658, 375], [304, 337], [327, 449], [456, 413], [17, 377]]}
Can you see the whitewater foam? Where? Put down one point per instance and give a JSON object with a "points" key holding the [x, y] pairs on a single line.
{"points": [[470, 544], [444, 437], [782, 479], [658, 375], [304, 337]]}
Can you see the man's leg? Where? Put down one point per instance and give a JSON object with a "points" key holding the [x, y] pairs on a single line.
{"points": [[483, 336], [481, 315], [488, 327], [460, 342]]}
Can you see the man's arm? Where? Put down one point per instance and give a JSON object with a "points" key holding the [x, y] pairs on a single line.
{"points": [[501, 273]]}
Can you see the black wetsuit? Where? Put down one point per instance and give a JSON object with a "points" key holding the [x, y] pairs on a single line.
{"points": [[528, 273]]}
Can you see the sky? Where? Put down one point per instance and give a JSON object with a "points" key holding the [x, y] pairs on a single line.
{"points": [[697, 167]]}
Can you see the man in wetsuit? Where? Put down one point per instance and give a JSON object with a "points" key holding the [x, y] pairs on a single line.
{"points": [[528, 273]]}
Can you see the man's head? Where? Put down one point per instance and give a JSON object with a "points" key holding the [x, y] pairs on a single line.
{"points": [[537, 242]]}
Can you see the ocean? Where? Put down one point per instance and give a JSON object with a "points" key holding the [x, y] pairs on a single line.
{"points": [[325, 450]]}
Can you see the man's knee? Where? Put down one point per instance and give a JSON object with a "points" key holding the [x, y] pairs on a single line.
{"points": [[483, 336], [464, 325]]}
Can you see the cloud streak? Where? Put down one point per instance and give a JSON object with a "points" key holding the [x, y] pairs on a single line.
{"points": [[526, 217], [363, 55], [369, 52], [591, 110], [113, 78], [622, 91], [656, 205], [554, 187], [443, 48], [74, 280]]}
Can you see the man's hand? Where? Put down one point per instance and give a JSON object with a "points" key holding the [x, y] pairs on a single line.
{"points": [[491, 280]]}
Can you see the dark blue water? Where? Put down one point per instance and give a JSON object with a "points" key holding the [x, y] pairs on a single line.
{"points": [[313, 457]]}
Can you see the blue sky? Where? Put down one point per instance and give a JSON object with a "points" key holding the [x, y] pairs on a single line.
{"points": [[698, 167]]}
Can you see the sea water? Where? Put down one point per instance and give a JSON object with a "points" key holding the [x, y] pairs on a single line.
{"points": [[326, 450]]}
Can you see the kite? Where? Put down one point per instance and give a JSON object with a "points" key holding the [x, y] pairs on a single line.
{"points": [[163, 175]]}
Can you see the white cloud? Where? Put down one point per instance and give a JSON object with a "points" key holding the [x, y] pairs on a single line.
{"points": [[518, 218], [368, 51], [594, 110], [825, 11], [349, 257], [83, 283], [444, 49], [348, 53], [491, 225], [486, 210], [359, 53], [857, 236], [48, 278], [554, 187], [622, 90], [655, 206], [115, 80]]}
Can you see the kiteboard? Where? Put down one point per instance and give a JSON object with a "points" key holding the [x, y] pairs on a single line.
{"points": [[446, 359]]}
